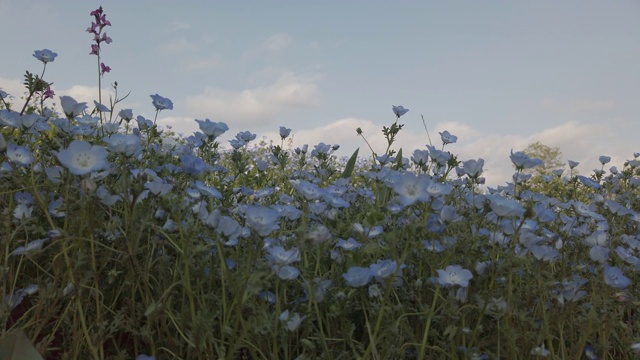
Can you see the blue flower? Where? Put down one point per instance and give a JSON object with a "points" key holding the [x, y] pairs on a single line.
{"points": [[523, 161], [245, 136], [291, 321], [161, 103], [358, 276], [267, 296], [237, 144], [604, 159], [19, 155], [212, 129], [287, 272], [144, 123], [473, 168], [284, 132], [614, 277], [263, 220], [81, 158], [349, 244], [9, 118], [590, 353], [192, 164], [71, 107], [100, 107], [454, 275], [504, 207], [411, 188], [125, 144], [126, 114], [45, 55], [145, 357], [384, 268], [30, 247], [279, 256], [447, 138], [399, 110]]}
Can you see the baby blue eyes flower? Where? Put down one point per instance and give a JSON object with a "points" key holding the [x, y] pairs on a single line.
{"points": [[411, 188], [473, 168], [291, 321], [19, 155], [211, 128], [349, 244], [82, 158], [71, 107], [384, 268], [126, 114], [504, 207], [523, 161], [358, 276], [45, 55], [145, 357], [454, 275], [614, 277], [100, 107], [447, 138], [604, 159], [287, 272], [125, 144], [245, 136], [30, 247], [237, 144], [540, 351], [192, 164], [279, 256], [399, 110], [284, 132], [261, 219], [161, 103]]}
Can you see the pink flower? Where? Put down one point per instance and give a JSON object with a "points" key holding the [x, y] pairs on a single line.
{"points": [[48, 93], [92, 29], [97, 12], [105, 68], [104, 22], [95, 49], [105, 38]]}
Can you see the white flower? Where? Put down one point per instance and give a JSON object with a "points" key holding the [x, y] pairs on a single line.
{"points": [[540, 351]]}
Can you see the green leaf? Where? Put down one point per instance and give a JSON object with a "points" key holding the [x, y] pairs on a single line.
{"points": [[15, 345], [399, 160], [348, 170]]}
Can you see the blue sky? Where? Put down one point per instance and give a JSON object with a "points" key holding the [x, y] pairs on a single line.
{"points": [[498, 74]]}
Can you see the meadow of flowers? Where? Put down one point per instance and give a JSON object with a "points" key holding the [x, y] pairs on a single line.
{"points": [[120, 239]]}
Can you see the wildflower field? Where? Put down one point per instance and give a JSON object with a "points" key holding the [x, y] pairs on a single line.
{"points": [[122, 240]]}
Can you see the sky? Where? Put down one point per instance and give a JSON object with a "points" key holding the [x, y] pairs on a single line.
{"points": [[497, 74]]}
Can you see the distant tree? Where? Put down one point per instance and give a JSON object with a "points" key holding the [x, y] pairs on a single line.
{"points": [[551, 158]]}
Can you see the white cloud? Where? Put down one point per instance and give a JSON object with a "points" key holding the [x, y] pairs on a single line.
{"points": [[277, 42], [202, 64], [577, 105], [179, 25], [12, 87], [178, 46], [578, 142], [255, 107]]}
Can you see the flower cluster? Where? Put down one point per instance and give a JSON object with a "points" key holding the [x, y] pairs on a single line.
{"points": [[99, 37], [170, 247]]}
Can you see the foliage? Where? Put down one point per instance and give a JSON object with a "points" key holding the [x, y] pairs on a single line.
{"points": [[119, 239], [551, 157]]}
